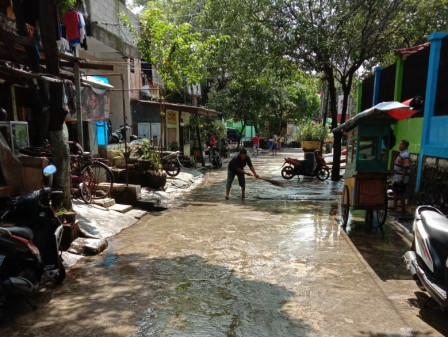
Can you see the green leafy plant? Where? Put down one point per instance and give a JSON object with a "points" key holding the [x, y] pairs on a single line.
{"points": [[174, 146], [312, 132], [145, 150], [61, 211]]}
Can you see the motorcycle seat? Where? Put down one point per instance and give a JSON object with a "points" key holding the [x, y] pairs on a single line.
{"points": [[24, 232], [436, 225]]}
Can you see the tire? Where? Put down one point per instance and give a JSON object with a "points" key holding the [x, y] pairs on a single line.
{"points": [[288, 172], [60, 277], [323, 174], [381, 214], [93, 175], [345, 205], [172, 168], [86, 195]]}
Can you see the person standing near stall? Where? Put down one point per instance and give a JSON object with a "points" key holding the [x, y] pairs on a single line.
{"points": [[401, 175]]}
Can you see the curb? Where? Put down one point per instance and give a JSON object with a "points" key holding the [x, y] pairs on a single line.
{"points": [[402, 231], [375, 278]]}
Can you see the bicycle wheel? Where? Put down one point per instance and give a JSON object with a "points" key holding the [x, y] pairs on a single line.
{"points": [[86, 195], [381, 214], [98, 178]]}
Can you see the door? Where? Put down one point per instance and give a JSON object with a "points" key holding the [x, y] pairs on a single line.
{"points": [[144, 130], [155, 133]]}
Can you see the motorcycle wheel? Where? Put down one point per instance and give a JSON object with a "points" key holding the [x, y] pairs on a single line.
{"points": [[323, 174], [172, 168], [60, 277], [288, 172]]}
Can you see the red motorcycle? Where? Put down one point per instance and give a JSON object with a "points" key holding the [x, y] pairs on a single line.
{"points": [[306, 168]]}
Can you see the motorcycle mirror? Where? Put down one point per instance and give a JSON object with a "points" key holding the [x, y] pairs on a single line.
{"points": [[49, 170]]}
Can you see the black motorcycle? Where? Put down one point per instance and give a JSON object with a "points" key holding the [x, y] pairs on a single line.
{"points": [[170, 162], [119, 135], [30, 237], [427, 260], [215, 157]]}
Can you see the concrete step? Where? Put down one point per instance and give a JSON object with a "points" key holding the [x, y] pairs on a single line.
{"points": [[106, 202], [151, 205], [137, 213], [120, 208], [122, 193], [87, 246]]}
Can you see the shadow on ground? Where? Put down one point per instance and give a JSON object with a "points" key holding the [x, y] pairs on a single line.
{"points": [[131, 295]]}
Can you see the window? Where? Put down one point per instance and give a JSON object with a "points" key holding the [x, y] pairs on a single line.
{"points": [[368, 148], [131, 65]]}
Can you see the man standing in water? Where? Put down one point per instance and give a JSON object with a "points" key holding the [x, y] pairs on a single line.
{"points": [[236, 168]]}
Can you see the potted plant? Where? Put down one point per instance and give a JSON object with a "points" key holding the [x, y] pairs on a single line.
{"points": [[174, 146], [149, 165], [70, 228], [311, 136]]}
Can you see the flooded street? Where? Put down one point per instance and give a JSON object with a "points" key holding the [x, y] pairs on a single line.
{"points": [[275, 264]]}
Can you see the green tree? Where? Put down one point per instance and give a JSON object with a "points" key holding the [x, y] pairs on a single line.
{"points": [[335, 38], [179, 53]]}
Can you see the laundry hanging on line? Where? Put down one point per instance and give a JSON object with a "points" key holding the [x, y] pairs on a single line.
{"points": [[75, 28]]}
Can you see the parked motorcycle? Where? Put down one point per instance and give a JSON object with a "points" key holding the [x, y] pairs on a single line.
{"points": [[170, 162], [118, 135], [296, 167], [427, 260], [215, 157], [30, 237]]}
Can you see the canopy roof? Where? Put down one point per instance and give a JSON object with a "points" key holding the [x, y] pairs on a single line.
{"points": [[389, 111]]}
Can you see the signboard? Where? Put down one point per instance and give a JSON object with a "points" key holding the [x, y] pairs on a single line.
{"points": [[172, 119]]}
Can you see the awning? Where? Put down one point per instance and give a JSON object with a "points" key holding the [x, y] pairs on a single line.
{"points": [[391, 111], [177, 107], [95, 82]]}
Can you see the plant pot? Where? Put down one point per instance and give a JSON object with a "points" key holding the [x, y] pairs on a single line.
{"points": [[310, 145], [69, 217], [70, 232], [155, 181]]}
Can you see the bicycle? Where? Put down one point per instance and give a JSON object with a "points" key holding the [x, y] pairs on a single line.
{"points": [[91, 177]]}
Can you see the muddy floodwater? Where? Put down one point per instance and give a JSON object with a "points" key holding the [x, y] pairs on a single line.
{"points": [[275, 264]]}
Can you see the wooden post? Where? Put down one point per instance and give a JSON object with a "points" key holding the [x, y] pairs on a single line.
{"points": [[78, 103], [126, 154]]}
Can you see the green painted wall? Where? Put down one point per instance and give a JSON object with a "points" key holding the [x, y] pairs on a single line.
{"points": [[411, 130], [249, 130]]}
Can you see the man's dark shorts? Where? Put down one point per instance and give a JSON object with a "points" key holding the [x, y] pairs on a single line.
{"points": [[231, 175], [399, 188]]}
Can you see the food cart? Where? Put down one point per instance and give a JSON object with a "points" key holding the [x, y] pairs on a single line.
{"points": [[369, 137]]}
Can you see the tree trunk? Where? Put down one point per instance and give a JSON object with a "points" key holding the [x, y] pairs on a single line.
{"points": [[346, 86], [59, 141], [243, 123], [335, 172]]}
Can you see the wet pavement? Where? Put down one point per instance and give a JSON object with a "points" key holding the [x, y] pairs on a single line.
{"points": [[275, 264]]}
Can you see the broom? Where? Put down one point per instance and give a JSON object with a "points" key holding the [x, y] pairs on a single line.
{"points": [[270, 181]]}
